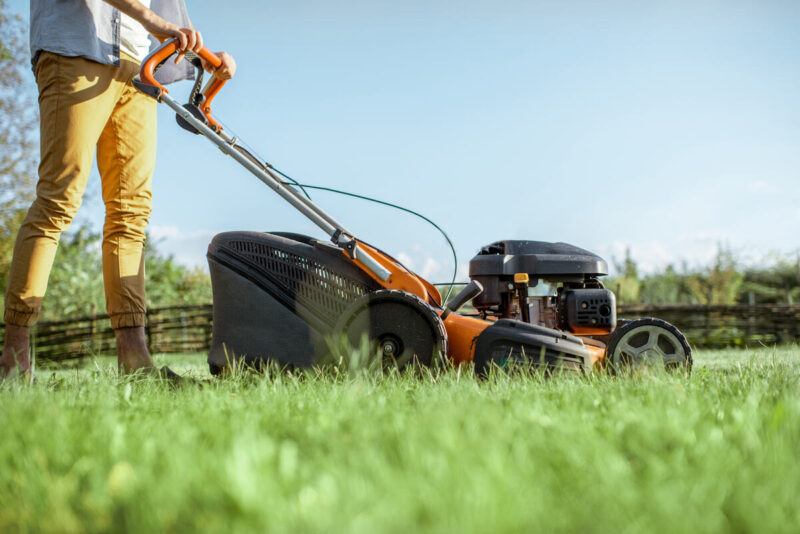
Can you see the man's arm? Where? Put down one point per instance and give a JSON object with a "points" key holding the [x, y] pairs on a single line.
{"points": [[188, 38]]}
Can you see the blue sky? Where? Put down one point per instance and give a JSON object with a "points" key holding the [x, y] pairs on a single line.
{"points": [[667, 127]]}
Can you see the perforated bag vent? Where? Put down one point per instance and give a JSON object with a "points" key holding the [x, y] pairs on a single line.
{"points": [[303, 280]]}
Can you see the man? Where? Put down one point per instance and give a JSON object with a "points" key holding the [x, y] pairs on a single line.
{"points": [[84, 55]]}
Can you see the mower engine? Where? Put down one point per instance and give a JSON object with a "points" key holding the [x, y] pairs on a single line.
{"points": [[554, 285]]}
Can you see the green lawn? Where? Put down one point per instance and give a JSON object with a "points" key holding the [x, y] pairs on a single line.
{"points": [[83, 450]]}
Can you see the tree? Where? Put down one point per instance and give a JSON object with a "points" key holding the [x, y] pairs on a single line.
{"points": [[668, 287], [626, 284], [170, 283], [719, 284], [777, 282], [18, 133]]}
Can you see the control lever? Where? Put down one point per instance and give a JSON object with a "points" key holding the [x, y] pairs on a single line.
{"points": [[472, 290]]}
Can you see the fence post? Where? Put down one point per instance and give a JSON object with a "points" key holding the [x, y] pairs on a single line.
{"points": [[93, 345], [32, 341], [751, 314], [183, 331], [209, 329], [147, 332]]}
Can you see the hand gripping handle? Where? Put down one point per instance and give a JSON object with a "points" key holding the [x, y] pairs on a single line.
{"points": [[148, 84]]}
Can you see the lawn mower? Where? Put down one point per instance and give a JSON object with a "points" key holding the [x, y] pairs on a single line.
{"points": [[282, 297]]}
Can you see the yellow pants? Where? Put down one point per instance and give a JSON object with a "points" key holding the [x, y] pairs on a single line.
{"points": [[85, 105]]}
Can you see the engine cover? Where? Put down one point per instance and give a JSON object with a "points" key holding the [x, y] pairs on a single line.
{"points": [[588, 311], [495, 266]]}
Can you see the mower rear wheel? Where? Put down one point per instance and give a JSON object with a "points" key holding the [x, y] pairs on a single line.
{"points": [[648, 342], [399, 328]]}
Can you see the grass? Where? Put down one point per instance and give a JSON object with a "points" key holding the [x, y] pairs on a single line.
{"points": [[83, 450]]}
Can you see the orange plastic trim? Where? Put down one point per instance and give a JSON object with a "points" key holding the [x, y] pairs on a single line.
{"points": [[209, 95], [147, 75], [399, 278], [589, 331], [462, 332], [598, 356]]}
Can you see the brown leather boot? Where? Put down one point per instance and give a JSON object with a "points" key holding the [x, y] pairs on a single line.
{"points": [[16, 350], [132, 353]]}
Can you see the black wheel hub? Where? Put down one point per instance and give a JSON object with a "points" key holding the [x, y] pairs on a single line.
{"points": [[390, 346]]}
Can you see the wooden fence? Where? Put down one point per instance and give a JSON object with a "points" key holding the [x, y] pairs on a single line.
{"points": [[183, 329], [177, 329], [727, 326]]}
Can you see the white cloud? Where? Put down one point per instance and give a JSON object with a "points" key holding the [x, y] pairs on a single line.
{"points": [[695, 250], [692, 250], [427, 267], [430, 269], [406, 260], [163, 231], [760, 186], [652, 256], [187, 247]]}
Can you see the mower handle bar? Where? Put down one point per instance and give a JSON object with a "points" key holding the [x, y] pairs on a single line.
{"points": [[147, 81]]}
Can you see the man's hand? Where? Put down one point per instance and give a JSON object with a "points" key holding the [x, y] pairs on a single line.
{"points": [[188, 38], [226, 70]]}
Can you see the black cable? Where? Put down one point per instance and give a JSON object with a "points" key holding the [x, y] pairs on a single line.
{"points": [[252, 156], [294, 182], [249, 154]]}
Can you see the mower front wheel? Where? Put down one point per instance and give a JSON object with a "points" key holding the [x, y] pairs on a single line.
{"points": [[398, 327], [648, 342]]}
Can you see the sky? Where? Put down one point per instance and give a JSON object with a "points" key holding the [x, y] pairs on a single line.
{"points": [[663, 127]]}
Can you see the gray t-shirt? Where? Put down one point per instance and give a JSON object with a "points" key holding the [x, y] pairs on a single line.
{"points": [[92, 28]]}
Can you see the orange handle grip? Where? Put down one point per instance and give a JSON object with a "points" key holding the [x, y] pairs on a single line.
{"points": [[147, 74], [209, 95]]}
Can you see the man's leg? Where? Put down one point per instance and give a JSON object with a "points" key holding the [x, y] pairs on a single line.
{"points": [[16, 350], [74, 105], [126, 160]]}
